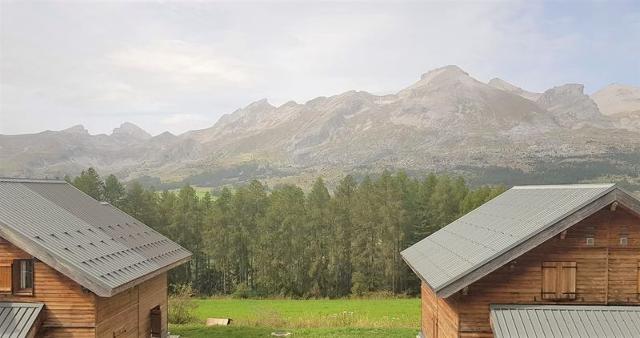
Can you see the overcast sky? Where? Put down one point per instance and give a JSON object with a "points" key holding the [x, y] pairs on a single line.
{"points": [[178, 66]]}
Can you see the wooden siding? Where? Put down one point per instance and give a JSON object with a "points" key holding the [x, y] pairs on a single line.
{"points": [[439, 318], [73, 312], [126, 315], [153, 293], [606, 273], [69, 310]]}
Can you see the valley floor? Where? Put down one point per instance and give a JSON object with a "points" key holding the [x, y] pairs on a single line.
{"points": [[343, 318]]}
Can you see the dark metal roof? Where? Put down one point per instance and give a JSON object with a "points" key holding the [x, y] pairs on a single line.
{"points": [[494, 228], [93, 243], [16, 319], [565, 321]]}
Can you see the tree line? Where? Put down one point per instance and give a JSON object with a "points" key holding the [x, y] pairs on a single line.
{"points": [[255, 241]]}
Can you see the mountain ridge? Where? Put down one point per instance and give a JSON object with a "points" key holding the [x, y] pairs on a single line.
{"points": [[445, 120]]}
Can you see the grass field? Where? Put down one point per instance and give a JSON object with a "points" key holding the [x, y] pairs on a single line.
{"points": [[344, 318]]}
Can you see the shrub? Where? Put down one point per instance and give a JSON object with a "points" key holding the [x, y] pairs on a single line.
{"points": [[243, 291], [181, 308]]}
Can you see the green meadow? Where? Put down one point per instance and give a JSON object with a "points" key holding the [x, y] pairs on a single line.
{"points": [[305, 318]]}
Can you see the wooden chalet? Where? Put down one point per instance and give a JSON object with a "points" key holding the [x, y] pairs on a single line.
{"points": [[71, 266], [536, 261]]}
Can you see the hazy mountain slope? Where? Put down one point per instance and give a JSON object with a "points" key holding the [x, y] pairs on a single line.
{"points": [[508, 87], [621, 103], [127, 151], [617, 99], [447, 120]]}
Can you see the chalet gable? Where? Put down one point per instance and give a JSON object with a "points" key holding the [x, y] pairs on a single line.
{"points": [[504, 228], [93, 243]]}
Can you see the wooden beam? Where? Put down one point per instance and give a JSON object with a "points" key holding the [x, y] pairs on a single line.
{"points": [[629, 202], [529, 244]]}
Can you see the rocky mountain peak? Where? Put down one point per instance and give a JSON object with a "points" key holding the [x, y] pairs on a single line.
{"points": [[130, 129], [441, 79], [78, 129], [450, 72], [571, 107], [259, 105]]}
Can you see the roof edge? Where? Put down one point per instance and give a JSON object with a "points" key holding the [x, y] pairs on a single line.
{"points": [[21, 304], [31, 180], [422, 279], [564, 186], [155, 273], [563, 307], [597, 203]]}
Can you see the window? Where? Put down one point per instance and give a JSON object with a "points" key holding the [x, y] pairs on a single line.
{"points": [[156, 322], [559, 280], [624, 240], [23, 276]]}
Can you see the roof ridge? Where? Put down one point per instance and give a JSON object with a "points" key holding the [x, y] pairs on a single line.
{"points": [[565, 186], [31, 180], [576, 307]]}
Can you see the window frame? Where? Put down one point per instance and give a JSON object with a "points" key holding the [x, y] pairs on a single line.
{"points": [[17, 277]]}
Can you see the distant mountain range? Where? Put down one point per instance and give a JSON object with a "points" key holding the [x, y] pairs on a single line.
{"points": [[447, 121]]}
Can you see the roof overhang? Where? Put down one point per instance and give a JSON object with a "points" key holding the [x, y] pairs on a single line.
{"points": [[614, 195], [66, 268]]}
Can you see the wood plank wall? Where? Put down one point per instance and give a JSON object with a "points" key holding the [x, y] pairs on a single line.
{"points": [[152, 293], [126, 315], [439, 318], [73, 312], [607, 273], [69, 310]]}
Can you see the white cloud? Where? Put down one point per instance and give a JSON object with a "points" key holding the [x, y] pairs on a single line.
{"points": [[182, 118], [100, 64], [183, 63]]}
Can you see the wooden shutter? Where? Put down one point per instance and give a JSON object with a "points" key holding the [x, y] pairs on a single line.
{"points": [[5, 277], [638, 282], [549, 280], [567, 280], [156, 322]]}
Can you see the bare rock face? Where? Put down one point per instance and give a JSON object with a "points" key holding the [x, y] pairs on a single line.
{"points": [[572, 108], [508, 87], [129, 129]]}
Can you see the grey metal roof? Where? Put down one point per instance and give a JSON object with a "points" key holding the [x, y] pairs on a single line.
{"points": [[16, 319], [565, 321], [494, 228], [93, 243]]}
